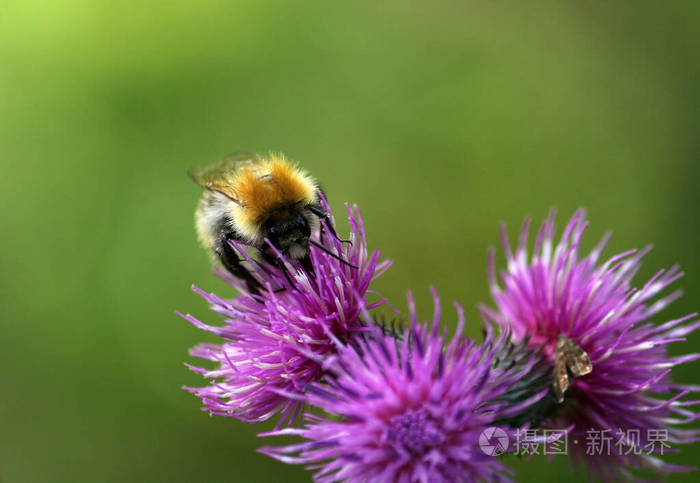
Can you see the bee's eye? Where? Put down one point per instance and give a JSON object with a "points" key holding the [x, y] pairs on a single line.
{"points": [[273, 230], [299, 221]]}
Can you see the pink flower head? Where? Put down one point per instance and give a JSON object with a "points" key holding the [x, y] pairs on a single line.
{"points": [[414, 409], [275, 342], [628, 397]]}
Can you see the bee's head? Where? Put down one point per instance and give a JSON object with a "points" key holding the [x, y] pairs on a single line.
{"points": [[290, 234]]}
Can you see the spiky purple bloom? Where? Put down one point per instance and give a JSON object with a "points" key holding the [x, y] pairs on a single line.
{"points": [[629, 397], [276, 341], [410, 410]]}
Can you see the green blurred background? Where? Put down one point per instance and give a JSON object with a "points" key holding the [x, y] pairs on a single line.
{"points": [[438, 118]]}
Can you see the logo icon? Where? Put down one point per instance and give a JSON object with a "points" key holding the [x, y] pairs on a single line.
{"points": [[493, 441]]}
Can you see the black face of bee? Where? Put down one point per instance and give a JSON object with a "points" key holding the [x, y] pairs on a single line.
{"points": [[290, 234]]}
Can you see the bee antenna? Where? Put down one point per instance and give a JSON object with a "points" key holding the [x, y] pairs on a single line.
{"points": [[326, 250]]}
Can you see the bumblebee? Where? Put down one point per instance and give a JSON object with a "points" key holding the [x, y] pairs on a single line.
{"points": [[249, 199]]}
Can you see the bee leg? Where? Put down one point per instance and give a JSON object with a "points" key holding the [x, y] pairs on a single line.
{"points": [[230, 261], [306, 263], [273, 260], [322, 215], [283, 267]]}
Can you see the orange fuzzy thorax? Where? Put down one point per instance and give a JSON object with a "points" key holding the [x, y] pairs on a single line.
{"points": [[268, 186]]}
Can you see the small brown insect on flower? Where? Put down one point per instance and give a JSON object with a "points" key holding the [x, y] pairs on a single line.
{"points": [[570, 358]]}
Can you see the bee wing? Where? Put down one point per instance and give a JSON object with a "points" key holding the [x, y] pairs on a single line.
{"points": [[217, 176]]}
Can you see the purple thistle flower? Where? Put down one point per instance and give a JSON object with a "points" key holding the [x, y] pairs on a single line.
{"points": [[411, 410], [621, 409], [276, 341]]}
